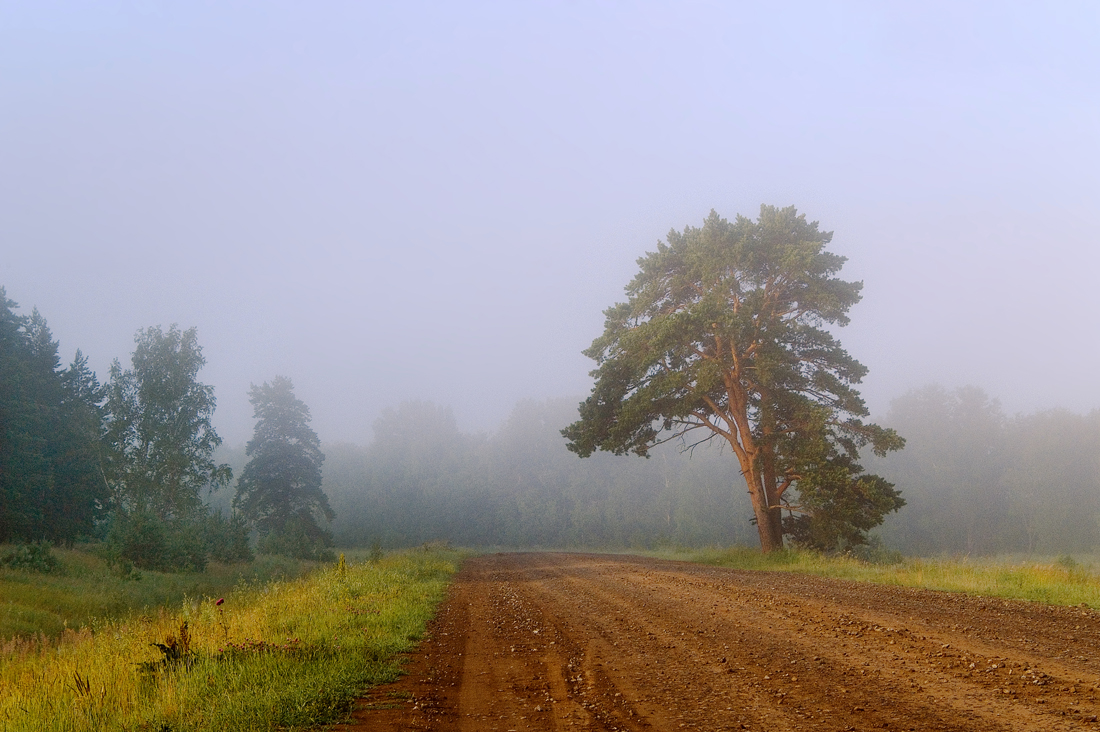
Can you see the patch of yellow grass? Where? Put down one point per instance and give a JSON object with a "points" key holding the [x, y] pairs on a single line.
{"points": [[88, 590], [283, 655], [1055, 582]]}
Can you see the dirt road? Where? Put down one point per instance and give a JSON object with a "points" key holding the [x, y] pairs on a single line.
{"points": [[591, 642]]}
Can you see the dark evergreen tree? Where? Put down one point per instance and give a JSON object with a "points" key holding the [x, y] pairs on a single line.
{"points": [[51, 486], [83, 494], [279, 490]]}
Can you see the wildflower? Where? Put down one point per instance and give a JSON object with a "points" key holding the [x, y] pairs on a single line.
{"points": [[220, 601]]}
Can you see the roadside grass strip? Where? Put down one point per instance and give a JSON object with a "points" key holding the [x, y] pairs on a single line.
{"points": [[1057, 582], [286, 655], [86, 592]]}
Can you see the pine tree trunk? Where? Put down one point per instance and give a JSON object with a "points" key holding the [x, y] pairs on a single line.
{"points": [[771, 538]]}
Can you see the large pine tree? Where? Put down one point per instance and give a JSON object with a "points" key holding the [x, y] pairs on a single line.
{"points": [[726, 335]]}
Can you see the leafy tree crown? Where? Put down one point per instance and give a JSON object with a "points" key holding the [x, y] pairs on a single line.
{"points": [[725, 331]]}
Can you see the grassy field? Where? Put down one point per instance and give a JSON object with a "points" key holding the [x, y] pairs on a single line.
{"points": [[286, 654], [293, 644], [86, 591], [1061, 581]]}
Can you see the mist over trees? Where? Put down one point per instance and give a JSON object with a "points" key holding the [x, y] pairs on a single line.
{"points": [[422, 479], [159, 432], [980, 482], [158, 455], [123, 463], [132, 465], [976, 482]]}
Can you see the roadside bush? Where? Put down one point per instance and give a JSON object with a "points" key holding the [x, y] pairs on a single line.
{"points": [[35, 557], [300, 539], [146, 541], [876, 552], [227, 538], [1066, 562], [149, 542]]}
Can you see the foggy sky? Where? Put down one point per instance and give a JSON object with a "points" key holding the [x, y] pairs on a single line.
{"points": [[438, 200]]}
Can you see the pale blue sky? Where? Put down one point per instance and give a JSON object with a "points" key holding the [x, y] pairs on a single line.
{"points": [[437, 200]]}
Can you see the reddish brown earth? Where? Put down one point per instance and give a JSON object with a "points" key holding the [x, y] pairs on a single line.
{"points": [[588, 642]]}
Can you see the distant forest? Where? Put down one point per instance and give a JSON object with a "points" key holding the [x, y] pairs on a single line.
{"points": [[976, 480]]}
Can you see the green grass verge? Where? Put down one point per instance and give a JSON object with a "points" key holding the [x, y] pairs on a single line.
{"points": [[86, 592], [1057, 582], [286, 655]]}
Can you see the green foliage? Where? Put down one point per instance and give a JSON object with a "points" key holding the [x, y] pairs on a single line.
{"points": [[723, 337], [144, 540], [50, 420], [34, 557], [147, 541], [1066, 561], [159, 445], [298, 539], [159, 439], [279, 490], [837, 511], [226, 539]]}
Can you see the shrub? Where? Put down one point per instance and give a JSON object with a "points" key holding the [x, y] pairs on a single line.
{"points": [[34, 557], [876, 552], [149, 542], [146, 541], [227, 539], [300, 539]]}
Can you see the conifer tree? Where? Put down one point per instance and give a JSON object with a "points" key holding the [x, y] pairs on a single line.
{"points": [[279, 490], [724, 336]]}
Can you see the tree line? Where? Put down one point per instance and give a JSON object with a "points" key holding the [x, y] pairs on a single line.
{"points": [[976, 481], [126, 462], [723, 339], [723, 351], [979, 481], [83, 460], [423, 479], [51, 481]]}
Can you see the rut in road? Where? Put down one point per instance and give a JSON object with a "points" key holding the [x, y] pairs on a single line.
{"points": [[598, 642]]}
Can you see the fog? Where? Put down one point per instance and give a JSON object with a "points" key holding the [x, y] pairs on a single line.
{"points": [[436, 201]]}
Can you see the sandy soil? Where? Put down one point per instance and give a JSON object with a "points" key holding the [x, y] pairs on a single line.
{"points": [[593, 642]]}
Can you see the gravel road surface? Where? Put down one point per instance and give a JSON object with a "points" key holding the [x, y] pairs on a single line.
{"points": [[599, 642]]}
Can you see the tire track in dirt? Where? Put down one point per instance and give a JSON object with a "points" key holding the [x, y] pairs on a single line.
{"points": [[595, 642]]}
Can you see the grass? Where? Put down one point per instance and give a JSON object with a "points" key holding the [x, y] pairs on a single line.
{"points": [[283, 655], [1060, 581], [87, 592]]}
